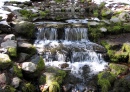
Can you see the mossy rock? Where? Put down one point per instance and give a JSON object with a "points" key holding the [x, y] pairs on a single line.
{"points": [[28, 87], [12, 51], [122, 85], [54, 87], [126, 27], [17, 71], [28, 14], [118, 68], [126, 47], [26, 47], [26, 29], [105, 79], [5, 61], [9, 88]]}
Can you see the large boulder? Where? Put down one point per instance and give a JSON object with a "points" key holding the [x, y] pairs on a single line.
{"points": [[5, 61], [26, 29]]}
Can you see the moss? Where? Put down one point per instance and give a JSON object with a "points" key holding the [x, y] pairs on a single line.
{"points": [[12, 51], [126, 47], [9, 88], [5, 61], [28, 14], [26, 29], [105, 79], [54, 87], [105, 44], [41, 64], [126, 27], [28, 87], [118, 69], [17, 71], [95, 13], [43, 13], [0, 17], [94, 33], [42, 80]]}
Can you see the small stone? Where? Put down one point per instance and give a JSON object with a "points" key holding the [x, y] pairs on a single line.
{"points": [[29, 66], [15, 82]]}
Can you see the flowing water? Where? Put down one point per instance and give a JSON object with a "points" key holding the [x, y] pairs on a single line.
{"points": [[67, 43]]}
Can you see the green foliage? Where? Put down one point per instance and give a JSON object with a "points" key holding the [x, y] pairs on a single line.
{"points": [[28, 14], [41, 64], [43, 13], [102, 5], [17, 71], [105, 44], [118, 69], [28, 87], [9, 88], [54, 87], [94, 33], [12, 51], [105, 79], [42, 79], [95, 13]]}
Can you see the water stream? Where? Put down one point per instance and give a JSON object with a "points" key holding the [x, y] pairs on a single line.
{"points": [[68, 43]]}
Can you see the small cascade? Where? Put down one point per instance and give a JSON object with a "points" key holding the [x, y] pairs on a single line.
{"points": [[69, 44]]}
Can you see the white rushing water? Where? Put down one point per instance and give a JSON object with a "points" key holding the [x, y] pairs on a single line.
{"points": [[75, 45]]}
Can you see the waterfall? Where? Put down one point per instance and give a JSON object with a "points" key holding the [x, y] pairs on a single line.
{"points": [[70, 45]]}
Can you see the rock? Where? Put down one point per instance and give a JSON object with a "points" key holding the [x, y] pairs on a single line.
{"points": [[105, 79], [103, 29], [5, 27], [5, 61], [16, 82], [124, 16], [26, 47], [3, 79], [23, 57], [93, 23], [11, 46], [118, 69], [122, 85], [115, 19], [67, 87], [9, 43], [64, 65], [29, 66], [9, 37], [26, 29]]}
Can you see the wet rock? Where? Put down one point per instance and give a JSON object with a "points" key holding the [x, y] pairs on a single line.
{"points": [[9, 37], [67, 87], [93, 23], [5, 61], [29, 66], [16, 82], [64, 65], [5, 27]]}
